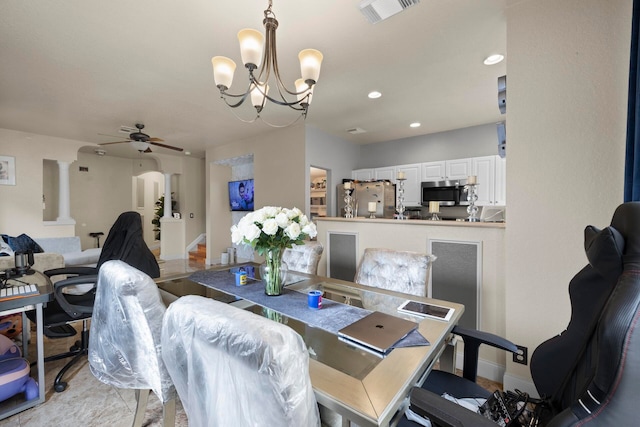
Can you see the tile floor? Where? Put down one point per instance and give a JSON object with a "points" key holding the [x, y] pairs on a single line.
{"points": [[88, 402]]}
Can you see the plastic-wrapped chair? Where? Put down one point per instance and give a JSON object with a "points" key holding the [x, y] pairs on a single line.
{"points": [[74, 296], [303, 258], [399, 271], [126, 329], [232, 367]]}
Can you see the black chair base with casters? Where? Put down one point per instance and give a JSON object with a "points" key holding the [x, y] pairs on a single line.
{"points": [[78, 350], [66, 309]]}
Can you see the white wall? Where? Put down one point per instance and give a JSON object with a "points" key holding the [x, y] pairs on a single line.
{"points": [[100, 195], [279, 171], [336, 155], [97, 197], [21, 204], [566, 106], [473, 141]]}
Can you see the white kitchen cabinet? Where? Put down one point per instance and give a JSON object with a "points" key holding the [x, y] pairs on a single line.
{"points": [[485, 169], [413, 176], [433, 171], [388, 173], [458, 169], [362, 174], [501, 181], [490, 170]]}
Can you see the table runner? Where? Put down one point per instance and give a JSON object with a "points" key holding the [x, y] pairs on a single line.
{"points": [[332, 317]]}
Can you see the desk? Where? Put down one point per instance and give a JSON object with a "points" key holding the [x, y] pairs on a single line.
{"points": [[360, 387], [22, 305]]}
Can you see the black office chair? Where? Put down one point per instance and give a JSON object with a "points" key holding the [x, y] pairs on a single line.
{"points": [[74, 295], [589, 374]]}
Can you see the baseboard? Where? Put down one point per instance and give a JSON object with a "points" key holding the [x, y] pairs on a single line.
{"points": [[193, 245], [489, 370], [173, 257], [512, 382]]}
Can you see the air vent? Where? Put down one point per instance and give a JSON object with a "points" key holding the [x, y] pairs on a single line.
{"points": [[355, 131], [127, 129], [379, 10]]}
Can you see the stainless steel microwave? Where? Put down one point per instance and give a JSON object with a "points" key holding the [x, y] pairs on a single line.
{"points": [[447, 193]]}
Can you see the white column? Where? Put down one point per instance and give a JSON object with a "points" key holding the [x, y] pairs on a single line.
{"points": [[64, 203], [167, 196]]}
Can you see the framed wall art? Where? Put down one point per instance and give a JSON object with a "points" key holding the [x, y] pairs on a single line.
{"points": [[7, 170]]}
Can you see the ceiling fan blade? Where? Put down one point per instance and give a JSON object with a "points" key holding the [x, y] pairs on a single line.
{"points": [[165, 146], [116, 142], [156, 140]]}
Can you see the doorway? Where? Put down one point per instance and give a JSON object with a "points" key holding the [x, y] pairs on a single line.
{"points": [[319, 192]]}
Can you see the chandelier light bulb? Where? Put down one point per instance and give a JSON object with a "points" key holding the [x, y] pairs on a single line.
{"points": [[223, 69], [251, 44], [310, 61], [258, 94], [303, 89]]}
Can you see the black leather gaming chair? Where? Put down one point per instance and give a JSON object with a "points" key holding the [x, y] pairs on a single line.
{"points": [[124, 242], [590, 372]]}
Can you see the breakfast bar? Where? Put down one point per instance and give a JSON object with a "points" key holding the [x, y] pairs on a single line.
{"points": [[469, 268]]}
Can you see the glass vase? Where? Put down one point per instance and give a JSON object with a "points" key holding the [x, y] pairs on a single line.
{"points": [[273, 272]]}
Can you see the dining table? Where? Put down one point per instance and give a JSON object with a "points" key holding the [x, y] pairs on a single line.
{"points": [[352, 384]]}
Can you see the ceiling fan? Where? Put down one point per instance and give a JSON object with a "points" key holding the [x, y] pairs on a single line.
{"points": [[141, 141]]}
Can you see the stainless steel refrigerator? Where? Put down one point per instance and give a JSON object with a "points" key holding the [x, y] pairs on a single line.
{"points": [[383, 193]]}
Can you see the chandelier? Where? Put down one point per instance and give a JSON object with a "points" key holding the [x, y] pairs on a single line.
{"points": [[251, 50]]}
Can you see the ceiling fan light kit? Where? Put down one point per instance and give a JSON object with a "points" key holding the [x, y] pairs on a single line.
{"points": [[257, 51]]}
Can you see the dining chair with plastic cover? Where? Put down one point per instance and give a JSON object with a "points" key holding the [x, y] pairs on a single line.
{"points": [[234, 368], [126, 329], [74, 288]]}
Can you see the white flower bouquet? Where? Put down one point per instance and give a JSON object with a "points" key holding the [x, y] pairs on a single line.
{"points": [[271, 228], [269, 231]]}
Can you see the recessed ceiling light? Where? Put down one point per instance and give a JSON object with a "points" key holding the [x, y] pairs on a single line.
{"points": [[493, 59], [374, 94], [415, 125]]}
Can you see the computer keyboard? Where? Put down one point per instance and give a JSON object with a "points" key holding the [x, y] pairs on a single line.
{"points": [[18, 291]]}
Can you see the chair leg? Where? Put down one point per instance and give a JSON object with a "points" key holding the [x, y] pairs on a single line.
{"points": [[59, 385], [142, 397], [77, 352], [169, 413]]}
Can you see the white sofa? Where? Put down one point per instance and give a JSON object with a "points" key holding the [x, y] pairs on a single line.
{"points": [[71, 249]]}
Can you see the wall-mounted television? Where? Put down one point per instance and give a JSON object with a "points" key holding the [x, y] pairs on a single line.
{"points": [[241, 195]]}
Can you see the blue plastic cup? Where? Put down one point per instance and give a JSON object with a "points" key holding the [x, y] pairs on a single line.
{"points": [[314, 299], [241, 278]]}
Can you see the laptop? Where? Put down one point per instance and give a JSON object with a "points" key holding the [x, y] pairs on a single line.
{"points": [[377, 331]]}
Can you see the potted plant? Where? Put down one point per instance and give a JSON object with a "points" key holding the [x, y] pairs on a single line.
{"points": [[159, 213]]}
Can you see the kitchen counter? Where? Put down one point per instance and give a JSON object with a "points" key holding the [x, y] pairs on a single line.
{"points": [[416, 222]]}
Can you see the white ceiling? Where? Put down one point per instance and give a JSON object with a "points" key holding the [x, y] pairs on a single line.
{"points": [[80, 69]]}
